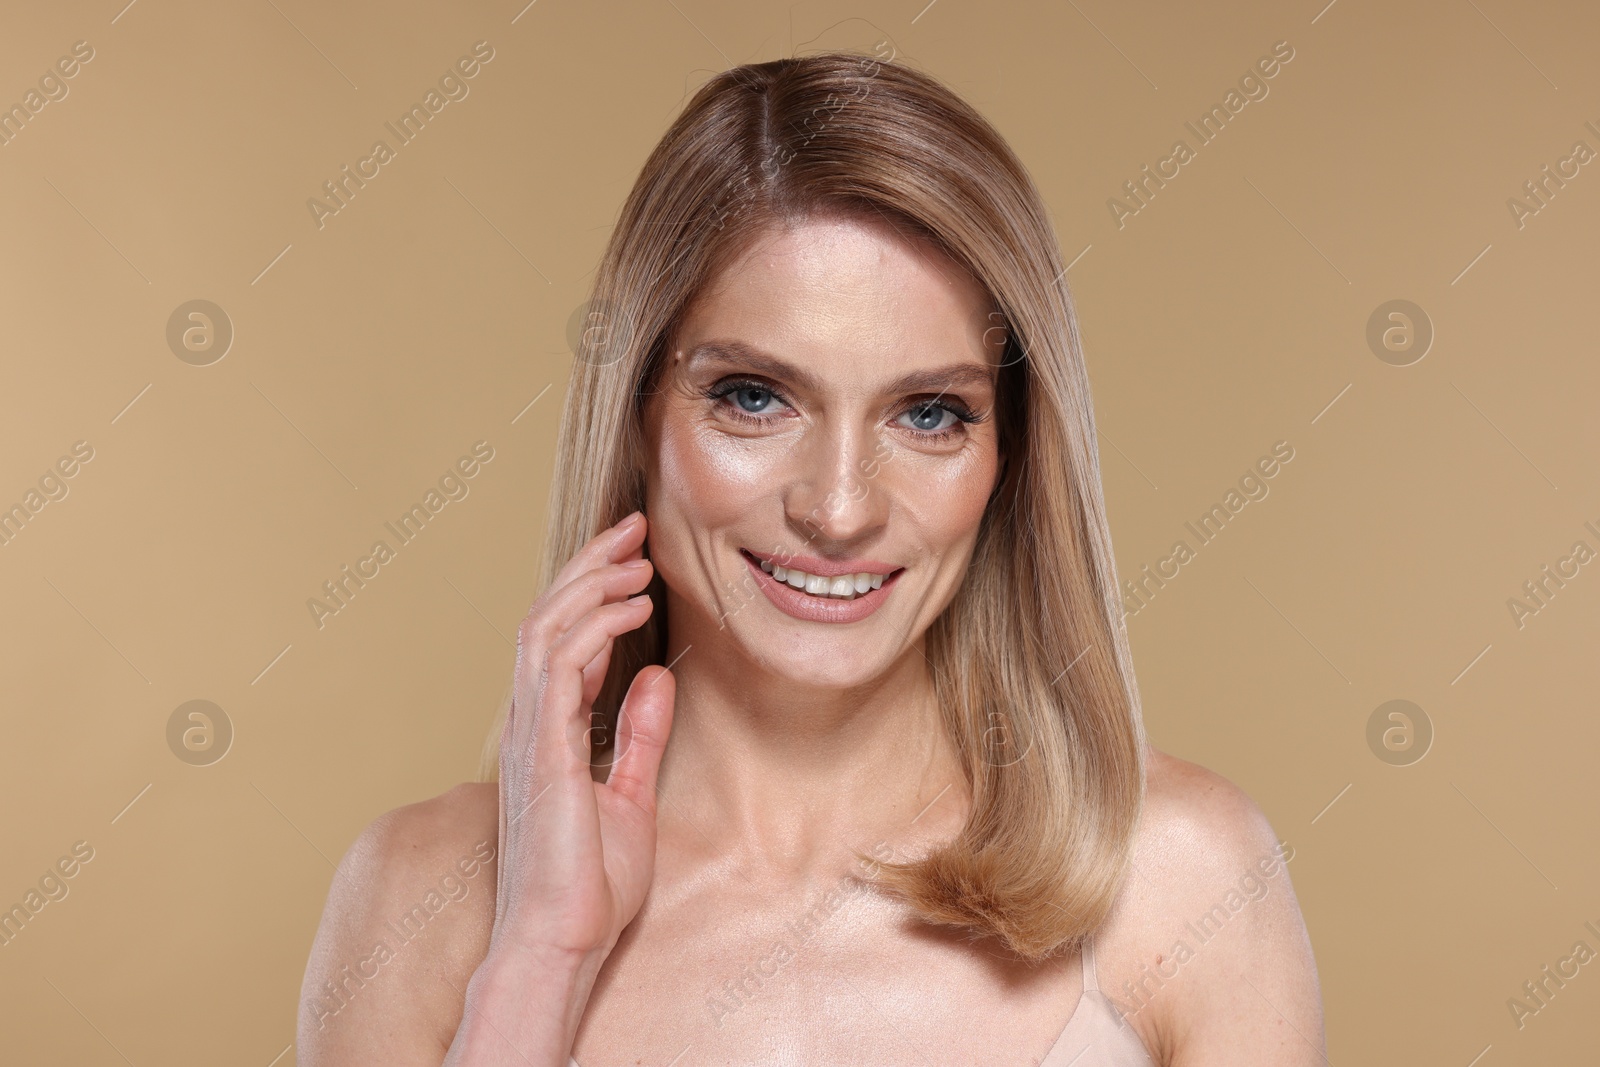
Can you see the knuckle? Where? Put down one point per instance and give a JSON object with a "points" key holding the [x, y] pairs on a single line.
{"points": [[592, 583], [533, 631], [560, 653], [550, 663]]}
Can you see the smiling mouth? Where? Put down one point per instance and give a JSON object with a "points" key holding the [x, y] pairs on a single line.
{"points": [[823, 587]]}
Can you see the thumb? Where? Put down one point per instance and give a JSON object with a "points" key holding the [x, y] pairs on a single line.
{"points": [[644, 722]]}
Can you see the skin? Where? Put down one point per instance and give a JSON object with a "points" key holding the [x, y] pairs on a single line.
{"points": [[792, 742]]}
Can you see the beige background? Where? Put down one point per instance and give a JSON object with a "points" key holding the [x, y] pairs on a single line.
{"points": [[1230, 313]]}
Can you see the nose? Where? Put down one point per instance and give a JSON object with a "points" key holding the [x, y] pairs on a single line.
{"points": [[834, 492]]}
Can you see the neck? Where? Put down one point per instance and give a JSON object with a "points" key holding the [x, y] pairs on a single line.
{"points": [[786, 778]]}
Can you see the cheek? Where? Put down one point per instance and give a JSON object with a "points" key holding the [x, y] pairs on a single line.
{"points": [[946, 500], [710, 475], [704, 485]]}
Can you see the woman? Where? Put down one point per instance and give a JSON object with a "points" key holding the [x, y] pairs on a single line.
{"points": [[831, 386]]}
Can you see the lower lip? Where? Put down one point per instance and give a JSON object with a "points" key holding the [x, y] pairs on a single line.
{"points": [[792, 601]]}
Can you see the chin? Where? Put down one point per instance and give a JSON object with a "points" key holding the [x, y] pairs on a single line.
{"points": [[812, 661]]}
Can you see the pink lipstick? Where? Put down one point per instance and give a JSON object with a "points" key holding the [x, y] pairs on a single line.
{"points": [[814, 608]]}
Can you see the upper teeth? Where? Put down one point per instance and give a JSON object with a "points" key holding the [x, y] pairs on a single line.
{"points": [[847, 586]]}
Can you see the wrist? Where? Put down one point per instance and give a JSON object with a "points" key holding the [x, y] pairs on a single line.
{"points": [[523, 1005], [520, 968]]}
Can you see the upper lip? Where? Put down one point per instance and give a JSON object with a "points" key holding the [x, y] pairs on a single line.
{"points": [[826, 568]]}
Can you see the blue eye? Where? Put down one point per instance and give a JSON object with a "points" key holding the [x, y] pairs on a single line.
{"points": [[752, 401], [757, 395], [921, 412]]}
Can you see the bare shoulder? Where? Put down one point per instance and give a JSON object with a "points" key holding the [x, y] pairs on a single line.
{"points": [[1206, 952], [1195, 815], [406, 923]]}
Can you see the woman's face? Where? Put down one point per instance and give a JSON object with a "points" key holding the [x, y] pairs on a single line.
{"points": [[814, 409]]}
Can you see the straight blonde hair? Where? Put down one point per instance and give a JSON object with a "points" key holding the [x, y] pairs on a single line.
{"points": [[1030, 661]]}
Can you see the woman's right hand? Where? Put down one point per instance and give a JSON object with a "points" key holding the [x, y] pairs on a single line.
{"points": [[577, 856]]}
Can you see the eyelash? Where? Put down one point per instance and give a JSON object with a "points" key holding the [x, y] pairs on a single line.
{"points": [[965, 416]]}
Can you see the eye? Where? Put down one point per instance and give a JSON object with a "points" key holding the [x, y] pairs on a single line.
{"points": [[754, 402], [930, 418], [752, 398], [747, 400]]}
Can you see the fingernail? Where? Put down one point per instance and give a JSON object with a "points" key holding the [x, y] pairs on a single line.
{"points": [[635, 564], [629, 522]]}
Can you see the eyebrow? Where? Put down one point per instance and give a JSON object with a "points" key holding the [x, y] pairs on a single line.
{"points": [[936, 379]]}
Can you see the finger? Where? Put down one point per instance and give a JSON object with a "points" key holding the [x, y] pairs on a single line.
{"points": [[594, 674], [611, 545], [559, 736], [636, 552], [646, 722], [551, 618], [594, 677]]}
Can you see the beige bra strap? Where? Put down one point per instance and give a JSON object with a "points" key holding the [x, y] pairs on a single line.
{"points": [[1091, 980]]}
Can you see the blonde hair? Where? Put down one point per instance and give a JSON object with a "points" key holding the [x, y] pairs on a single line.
{"points": [[1030, 661]]}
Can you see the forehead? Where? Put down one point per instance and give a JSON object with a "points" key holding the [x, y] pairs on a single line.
{"points": [[846, 292]]}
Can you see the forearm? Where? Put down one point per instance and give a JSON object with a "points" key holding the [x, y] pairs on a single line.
{"points": [[523, 1010]]}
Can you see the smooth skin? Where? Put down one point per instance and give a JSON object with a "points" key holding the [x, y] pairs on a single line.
{"points": [[700, 906]]}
